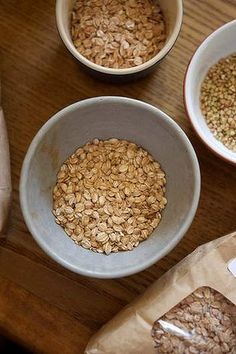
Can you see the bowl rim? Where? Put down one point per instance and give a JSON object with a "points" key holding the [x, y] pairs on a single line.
{"points": [[126, 71], [187, 78], [148, 261]]}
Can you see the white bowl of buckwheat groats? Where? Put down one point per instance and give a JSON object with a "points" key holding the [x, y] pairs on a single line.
{"points": [[109, 186], [210, 92], [119, 37]]}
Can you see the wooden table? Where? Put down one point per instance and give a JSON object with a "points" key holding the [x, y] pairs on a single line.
{"points": [[48, 308]]}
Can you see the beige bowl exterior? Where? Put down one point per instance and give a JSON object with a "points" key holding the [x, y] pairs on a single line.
{"points": [[106, 117], [216, 46]]}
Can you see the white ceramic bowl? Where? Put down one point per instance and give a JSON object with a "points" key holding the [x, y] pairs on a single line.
{"points": [[173, 12], [219, 44], [106, 117]]}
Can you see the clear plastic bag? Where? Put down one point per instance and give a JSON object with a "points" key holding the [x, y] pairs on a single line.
{"points": [[204, 322]]}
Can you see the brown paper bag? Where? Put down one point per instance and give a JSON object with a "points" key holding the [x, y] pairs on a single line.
{"points": [[5, 174], [130, 332]]}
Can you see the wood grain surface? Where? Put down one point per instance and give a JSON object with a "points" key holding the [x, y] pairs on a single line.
{"points": [[48, 308]]}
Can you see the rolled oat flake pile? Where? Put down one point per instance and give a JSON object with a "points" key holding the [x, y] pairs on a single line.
{"points": [[118, 34]]}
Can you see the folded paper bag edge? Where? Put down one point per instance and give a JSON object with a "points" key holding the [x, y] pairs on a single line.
{"points": [[132, 316]]}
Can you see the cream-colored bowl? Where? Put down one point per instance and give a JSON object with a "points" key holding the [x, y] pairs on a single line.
{"points": [[219, 44], [105, 117], [173, 13]]}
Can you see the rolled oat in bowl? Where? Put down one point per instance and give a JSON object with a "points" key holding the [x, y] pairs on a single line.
{"points": [[118, 33], [109, 195]]}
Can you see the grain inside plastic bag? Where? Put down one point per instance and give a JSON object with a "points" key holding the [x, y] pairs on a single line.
{"points": [[204, 322]]}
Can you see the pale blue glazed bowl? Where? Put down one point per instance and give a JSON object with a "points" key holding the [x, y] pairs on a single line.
{"points": [[105, 117]]}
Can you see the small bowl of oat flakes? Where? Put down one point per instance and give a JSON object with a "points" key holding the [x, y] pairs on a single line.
{"points": [[109, 186], [119, 38], [210, 92]]}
